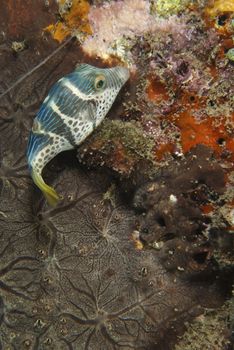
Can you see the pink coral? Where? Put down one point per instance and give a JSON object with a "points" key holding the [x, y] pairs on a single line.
{"points": [[124, 18]]}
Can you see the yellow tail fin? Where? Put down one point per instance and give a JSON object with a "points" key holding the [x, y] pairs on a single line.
{"points": [[50, 194]]}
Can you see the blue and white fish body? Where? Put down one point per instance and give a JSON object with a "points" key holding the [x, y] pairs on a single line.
{"points": [[74, 107]]}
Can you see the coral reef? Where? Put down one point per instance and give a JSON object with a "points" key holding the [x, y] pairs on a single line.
{"points": [[124, 141], [113, 28], [172, 220], [139, 254], [216, 7], [74, 20], [169, 7], [203, 333]]}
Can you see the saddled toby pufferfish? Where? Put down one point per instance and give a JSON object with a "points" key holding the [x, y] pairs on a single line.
{"points": [[74, 107]]}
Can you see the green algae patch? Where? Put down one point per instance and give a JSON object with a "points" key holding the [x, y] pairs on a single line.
{"points": [[230, 54]]}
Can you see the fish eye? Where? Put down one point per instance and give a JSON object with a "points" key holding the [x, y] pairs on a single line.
{"points": [[100, 82]]}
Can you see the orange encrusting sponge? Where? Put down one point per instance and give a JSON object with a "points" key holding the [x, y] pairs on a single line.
{"points": [[74, 20]]}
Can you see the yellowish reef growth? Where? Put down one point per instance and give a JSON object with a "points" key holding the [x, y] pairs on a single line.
{"points": [[220, 14], [220, 6], [169, 7], [74, 20]]}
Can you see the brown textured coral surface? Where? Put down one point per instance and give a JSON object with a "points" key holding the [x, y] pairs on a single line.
{"points": [[141, 245]]}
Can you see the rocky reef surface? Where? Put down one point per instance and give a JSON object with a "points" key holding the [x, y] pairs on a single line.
{"points": [[139, 254]]}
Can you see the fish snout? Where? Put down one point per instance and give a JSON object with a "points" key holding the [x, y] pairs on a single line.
{"points": [[123, 74]]}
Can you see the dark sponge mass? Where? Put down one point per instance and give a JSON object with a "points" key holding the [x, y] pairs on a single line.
{"points": [[171, 219]]}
